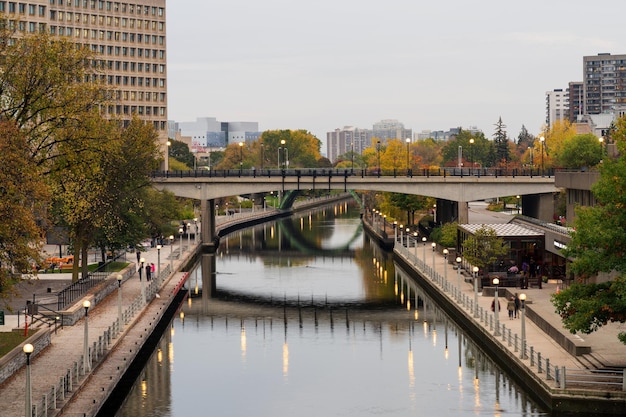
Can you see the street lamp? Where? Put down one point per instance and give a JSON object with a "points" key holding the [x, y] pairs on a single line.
{"points": [[458, 277], [352, 155], [408, 142], [496, 306], [240, 158], [471, 142], [120, 318], [518, 204], [475, 275], [189, 234], [180, 233], [424, 244], [434, 246], [522, 298], [143, 286], [28, 394], [378, 156], [171, 239], [86, 364], [159, 261], [445, 265], [601, 140], [542, 140], [415, 243], [408, 233], [530, 148]]}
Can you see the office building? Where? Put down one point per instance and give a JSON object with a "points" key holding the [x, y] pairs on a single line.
{"points": [[208, 132], [342, 141], [128, 40]]}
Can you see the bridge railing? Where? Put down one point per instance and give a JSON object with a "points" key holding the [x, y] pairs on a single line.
{"points": [[360, 172]]}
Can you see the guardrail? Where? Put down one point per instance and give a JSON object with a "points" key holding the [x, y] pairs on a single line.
{"points": [[371, 173]]}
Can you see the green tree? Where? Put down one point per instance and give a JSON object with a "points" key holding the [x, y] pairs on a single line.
{"points": [[580, 151], [501, 143], [409, 203], [446, 235], [180, 151], [302, 148], [484, 247]]}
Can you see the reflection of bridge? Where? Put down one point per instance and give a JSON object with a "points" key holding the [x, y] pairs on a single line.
{"points": [[453, 192]]}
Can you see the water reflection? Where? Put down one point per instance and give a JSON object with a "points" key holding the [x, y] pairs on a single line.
{"points": [[295, 334]]}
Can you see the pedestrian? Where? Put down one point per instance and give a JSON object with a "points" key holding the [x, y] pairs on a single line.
{"points": [[152, 270], [493, 305], [148, 272], [138, 256], [510, 306], [518, 302]]}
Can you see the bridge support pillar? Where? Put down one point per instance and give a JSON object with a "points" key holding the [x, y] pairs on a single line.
{"points": [[207, 221], [209, 284], [463, 212]]}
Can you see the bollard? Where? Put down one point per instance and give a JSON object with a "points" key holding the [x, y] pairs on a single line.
{"points": [[548, 369], [539, 362], [532, 356], [515, 343], [562, 377]]}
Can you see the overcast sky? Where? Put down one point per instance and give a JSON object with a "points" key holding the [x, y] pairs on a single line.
{"points": [[324, 64]]}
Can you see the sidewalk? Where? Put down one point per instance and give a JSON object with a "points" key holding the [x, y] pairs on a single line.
{"points": [[66, 347]]}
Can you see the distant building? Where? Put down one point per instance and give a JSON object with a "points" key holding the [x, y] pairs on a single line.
{"points": [[557, 106], [391, 129], [576, 101], [440, 135], [208, 132], [342, 141]]}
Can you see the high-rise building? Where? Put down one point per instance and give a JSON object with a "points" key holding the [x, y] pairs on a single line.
{"points": [[342, 141], [557, 106], [576, 102], [391, 129], [211, 133], [128, 40], [604, 83]]}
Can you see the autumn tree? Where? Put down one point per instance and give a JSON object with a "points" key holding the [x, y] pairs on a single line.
{"points": [[580, 151], [23, 197], [555, 137], [302, 147]]}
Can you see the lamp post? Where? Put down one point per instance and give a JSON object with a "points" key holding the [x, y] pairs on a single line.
{"points": [[262, 154], [240, 158], [120, 317], [189, 236], [352, 156], [180, 232], [445, 265], [458, 277], [378, 156], [496, 306], [434, 246], [28, 394], [542, 140], [475, 275], [424, 244], [143, 287], [415, 243], [408, 233], [86, 363], [522, 298], [518, 204], [401, 232], [171, 238], [408, 143], [195, 229], [601, 140], [530, 148], [471, 142], [159, 261], [460, 157]]}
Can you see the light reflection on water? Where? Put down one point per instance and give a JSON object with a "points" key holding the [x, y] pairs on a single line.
{"points": [[331, 357]]}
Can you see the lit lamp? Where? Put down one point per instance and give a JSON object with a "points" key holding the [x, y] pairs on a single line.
{"points": [[119, 301], [171, 239], [522, 298], [496, 306], [195, 223], [28, 394], [408, 233], [415, 243], [180, 232], [240, 158], [86, 364], [408, 142], [401, 231], [159, 261], [458, 277], [475, 275], [424, 245], [445, 265]]}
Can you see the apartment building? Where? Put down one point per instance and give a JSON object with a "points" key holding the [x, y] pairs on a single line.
{"points": [[604, 83], [348, 139], [557, 106], [128, 39]]}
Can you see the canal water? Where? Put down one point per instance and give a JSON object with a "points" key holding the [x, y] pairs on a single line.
{"points": [[310, 318]]}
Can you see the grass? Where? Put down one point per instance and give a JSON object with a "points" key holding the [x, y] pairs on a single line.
{"points": [[10, 340]]}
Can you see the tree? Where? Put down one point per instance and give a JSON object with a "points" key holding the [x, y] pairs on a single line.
{"points": [[587, 307], [554, 140], [501, 142], [23, 199], [180, 151], [580, 151], [484, 247], [446, 235], [302, 148]]}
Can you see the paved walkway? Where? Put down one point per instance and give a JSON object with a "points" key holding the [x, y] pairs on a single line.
{"points": [[66, 347]]}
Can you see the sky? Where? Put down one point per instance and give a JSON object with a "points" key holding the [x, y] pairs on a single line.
{"points": [[325, 64]]}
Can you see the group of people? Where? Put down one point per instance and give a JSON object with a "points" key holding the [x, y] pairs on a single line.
{"points": [[150, 268], [513, 306]]}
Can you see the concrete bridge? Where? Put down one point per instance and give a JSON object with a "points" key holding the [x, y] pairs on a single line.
{"points": [[453, 188]]}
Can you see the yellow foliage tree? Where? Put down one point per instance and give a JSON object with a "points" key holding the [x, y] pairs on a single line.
{"points": [[548, 151]]}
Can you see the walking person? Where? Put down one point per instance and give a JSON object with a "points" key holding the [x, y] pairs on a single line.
{"points": [[148, 272], [510, 306], [517, 304]]}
